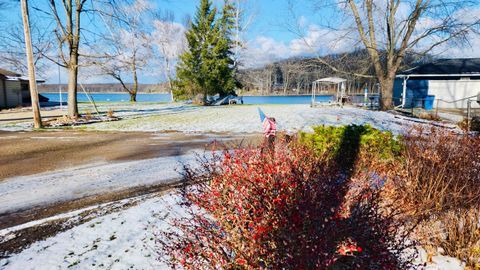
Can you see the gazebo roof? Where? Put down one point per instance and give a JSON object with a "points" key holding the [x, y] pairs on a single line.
{"points": [[332, 80]]}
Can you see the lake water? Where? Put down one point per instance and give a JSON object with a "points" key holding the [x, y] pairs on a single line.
{"points": [[110, 97], [284, 99], [121, 97]]}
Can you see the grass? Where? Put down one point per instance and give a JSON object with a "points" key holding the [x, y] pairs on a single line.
{"points": [[152, 120]]}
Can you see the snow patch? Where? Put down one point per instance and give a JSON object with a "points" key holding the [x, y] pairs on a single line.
{"points": [[122, 240], [42, 189]]}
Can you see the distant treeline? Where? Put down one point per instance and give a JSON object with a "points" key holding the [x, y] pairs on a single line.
{"points": [[105, 88], [295, 75]]}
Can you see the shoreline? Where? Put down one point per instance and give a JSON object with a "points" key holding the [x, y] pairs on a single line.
{"points": [[120, 93], [240, 95]]}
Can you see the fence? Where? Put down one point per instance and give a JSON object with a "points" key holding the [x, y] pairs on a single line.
{"points": [[469, 101]]}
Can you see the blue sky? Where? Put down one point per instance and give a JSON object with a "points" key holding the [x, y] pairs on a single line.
{"points": [[268, 24], [269, 15], [268, 37]]}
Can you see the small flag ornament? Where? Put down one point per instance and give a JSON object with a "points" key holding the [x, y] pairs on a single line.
{"points": [[269, 125], [262, 115]]}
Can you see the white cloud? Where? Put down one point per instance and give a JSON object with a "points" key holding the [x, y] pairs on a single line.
{"points": [[322, 41], [316, 41], [263, 50], [455, 48], [460, 50]]}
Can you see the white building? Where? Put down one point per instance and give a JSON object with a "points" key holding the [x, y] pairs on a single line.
{"points": [[452, 82]]}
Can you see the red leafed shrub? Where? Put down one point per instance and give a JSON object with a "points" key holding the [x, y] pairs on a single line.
{"points": [[251, 209]]}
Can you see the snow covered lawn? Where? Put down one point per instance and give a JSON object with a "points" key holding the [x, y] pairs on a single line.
{"points": [[122, 240], [230, 119], [243, 119]]}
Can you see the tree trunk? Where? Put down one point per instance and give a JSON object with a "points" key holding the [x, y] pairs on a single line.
{"points": [[133, 93], [37, 119], [74, 40], [386, 93], [170, 86], [133, 97], [169, 78], [205, 93], [72, 90]]}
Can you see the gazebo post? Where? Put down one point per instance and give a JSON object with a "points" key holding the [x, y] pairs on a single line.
{"points": [[313, 93], [338, 92]]}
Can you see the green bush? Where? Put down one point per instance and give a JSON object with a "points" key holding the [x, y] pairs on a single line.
{"points": [[359, 141]]}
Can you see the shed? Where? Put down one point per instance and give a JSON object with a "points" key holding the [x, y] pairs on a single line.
{"points": [[14, 89], [452, 82]]}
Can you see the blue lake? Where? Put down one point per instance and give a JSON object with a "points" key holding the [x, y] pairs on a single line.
{"points": [[110, 97], [284, 99], [121, 97]]}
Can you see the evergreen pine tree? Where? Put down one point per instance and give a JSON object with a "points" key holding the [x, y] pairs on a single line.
{"points": [[207, 67], [227, 70]]}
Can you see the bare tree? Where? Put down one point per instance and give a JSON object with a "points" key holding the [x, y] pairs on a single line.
{"points": [[12, 47], [37, 119], [291, 71], [391, 29], [68, 35], [169, 39], [127, 42], [387, 50], [243, 18], [12, 39]]}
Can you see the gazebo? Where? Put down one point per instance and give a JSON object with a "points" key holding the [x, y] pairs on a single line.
{"points": [[322, 86]]}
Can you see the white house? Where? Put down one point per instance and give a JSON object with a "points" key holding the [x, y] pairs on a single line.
{"points": [[452, 82]]}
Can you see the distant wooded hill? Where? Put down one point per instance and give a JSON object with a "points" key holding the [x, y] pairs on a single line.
{"points": [[106, 88], [295, 75]]}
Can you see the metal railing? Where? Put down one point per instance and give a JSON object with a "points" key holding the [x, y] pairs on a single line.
{"points": [[373, 102], [469, 100]]}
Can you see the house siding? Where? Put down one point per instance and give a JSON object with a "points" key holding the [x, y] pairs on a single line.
{"points": [[2, 94], [451, 90], [416, 92], [14, 93]]}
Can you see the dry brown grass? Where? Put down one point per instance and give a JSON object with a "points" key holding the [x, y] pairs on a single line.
{"points": [[428, 116], [110, 113], [88, 115], [440, 183], [456, 233], [441, 171]]}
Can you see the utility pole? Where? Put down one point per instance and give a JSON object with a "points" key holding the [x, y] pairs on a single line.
{"points": [[37, 119]]}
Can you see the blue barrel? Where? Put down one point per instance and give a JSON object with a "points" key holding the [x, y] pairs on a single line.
{"points": [[429, 100]]}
